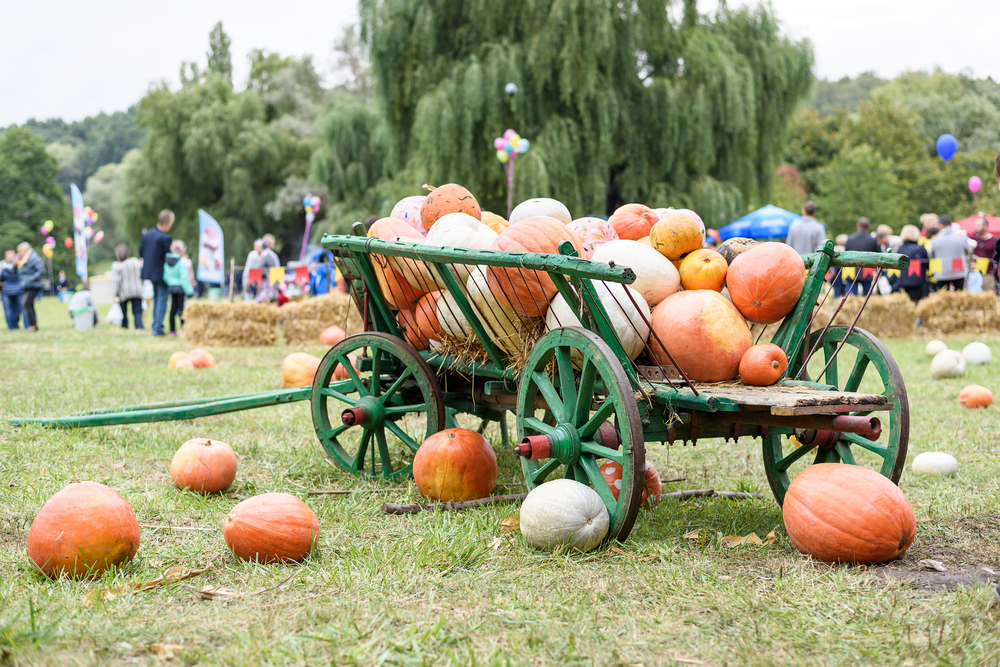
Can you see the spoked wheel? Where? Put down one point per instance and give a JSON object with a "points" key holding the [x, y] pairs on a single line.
{"points": [[383, 410], [863, 365], [573, 422]]}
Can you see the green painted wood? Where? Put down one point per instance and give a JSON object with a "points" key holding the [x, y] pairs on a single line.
{"points": [[683, 397], [458, 293], [861, 260], [448, 363], [168, 404]]}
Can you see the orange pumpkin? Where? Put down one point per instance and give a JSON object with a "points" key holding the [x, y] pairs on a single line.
{"points": [[298, 370], [183, 365], [632, 221], [736, 246], [703, 269], [765, 282], [975, 396], [199, 358], [455, 464], [843, 513], [83, 530], [494, 222], [645, 241], [449, 198], [271, 528], [613, 473], [427, 320], [703, 331], [762, 365], [174, 358], [528, 293], [677, 233], [400, 292], [407, 320], [203, 465], [340, 373], [330, 336]]}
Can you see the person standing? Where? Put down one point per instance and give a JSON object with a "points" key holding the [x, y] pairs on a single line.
{"points": [[950, 247], [912, 279], [269, 257], [153, 249], [862, 241], [321, 278], [11, 289], [986, 247], [127, 272], [806, 235], [253, 262], [178, 279], [30, 270]]}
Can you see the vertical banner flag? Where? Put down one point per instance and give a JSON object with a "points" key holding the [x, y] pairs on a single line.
{"points": [[211, 258], [79, 231]]}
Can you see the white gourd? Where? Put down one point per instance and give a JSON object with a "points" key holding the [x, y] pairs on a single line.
{"points": [[935, 347], [531, 208], [450, 317], [656, 277], [947, 364], [459, 230], [566, 512], [499, 319], [627, 318], [935, 463], [977, 353]]}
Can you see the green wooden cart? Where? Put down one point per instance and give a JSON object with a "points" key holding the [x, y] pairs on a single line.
{"points": [[578, 400]]}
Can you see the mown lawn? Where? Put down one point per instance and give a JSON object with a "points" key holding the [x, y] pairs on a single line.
{"points": [[442, 588]]}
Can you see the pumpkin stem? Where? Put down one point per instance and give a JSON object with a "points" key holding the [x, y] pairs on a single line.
{"points": [[775, 364], [429, 188]]}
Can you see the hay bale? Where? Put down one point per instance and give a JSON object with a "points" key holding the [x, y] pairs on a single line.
{"points": [[231, 324], [303, 321], [892, 316], [960, 313]]}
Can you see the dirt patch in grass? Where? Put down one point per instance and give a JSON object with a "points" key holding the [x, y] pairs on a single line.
{"points": [[973, 575]]}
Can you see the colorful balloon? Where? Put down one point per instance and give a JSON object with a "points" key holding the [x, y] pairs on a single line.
{"points": [[407, 209], [508, 147], [310, 216], [498, 143], [93, 216], [523, 145], [508, 134], [43, 230], [90, 233], [49, 225], [47, 251], [974, 184], [946, 146], [306, 201], [309, 209], [49, 240], [68, 242], [315, 203], [503, 157], [99, 236], [514, 138]]}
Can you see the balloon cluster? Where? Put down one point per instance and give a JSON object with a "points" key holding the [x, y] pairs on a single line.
{"points": [[311, 205], [50, 241], [89, 216], [509, 145], [47, 227]]}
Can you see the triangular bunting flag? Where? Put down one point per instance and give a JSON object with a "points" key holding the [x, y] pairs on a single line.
{"points": [[934, 266], [958, 265], [848, 273], [277, 274], [894, 273], [982, 264], [914, 268], [254, 276], [867, 274]]}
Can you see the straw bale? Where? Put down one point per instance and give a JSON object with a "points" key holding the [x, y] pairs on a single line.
{"points": [[892, 316], [231, 324], [303, 321], [960, 313]]}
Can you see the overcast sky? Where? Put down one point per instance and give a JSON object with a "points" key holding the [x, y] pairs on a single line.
{"points": [[71, 59]]}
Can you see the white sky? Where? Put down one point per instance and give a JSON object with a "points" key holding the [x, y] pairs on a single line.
{"points": [[70, 59]]}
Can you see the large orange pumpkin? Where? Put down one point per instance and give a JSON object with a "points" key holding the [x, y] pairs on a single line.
{"points": [[330, 336], [766, 281], [975, 396], [203, 465], [677, 233], [763, 365], [83, 530], [398, 287], [843, 513], [200, 358], [340, 373], [455, 464], [703, 269], [298, 370], [632, 221], [494, 221], [528, 292], [183, 365], [703, 331], [736, 246], [651, 493], [449, 198], [174, 358], [271, 528]]}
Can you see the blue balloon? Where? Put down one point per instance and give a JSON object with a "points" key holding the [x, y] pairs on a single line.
{"points": [[507, 147], [307, 201], [523, 145], [946, 147]]}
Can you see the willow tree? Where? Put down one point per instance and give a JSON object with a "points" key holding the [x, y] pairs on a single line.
{"points": [[621, 102]]}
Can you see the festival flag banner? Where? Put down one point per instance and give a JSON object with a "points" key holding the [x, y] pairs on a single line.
{"points": [[211, 257], [867, 274], [982, 264], [894, 273], [935, 266], [276, 274], [914, 268], [848, 272], [79, 231], [254, 276], [958, 265], [301, 274]]}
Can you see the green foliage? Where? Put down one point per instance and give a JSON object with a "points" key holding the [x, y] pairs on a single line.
{"points": [[219, 59], [28, 190], [845, 94], [858, 182], [105, 193], [813, 140], [894, 132]]}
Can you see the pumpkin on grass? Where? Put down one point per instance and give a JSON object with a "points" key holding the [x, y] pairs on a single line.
{"points": [[448, 198], [975, 396], [200, 358], [204, 465], [564, 512], [340, 373], [83, 530], [183, 365], [763, 365], [678, 233], [330, 336], [632, 221], [271, 528], [766, 281], [455, 465], [843, 513], [703, 269], [652, 492], [298, 370], [174, 358]]}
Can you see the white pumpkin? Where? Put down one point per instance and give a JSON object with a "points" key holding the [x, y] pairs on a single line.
{"points": [[499, 319], [541, 206], [459, 230], [566, 512], [450, 316], [935, 463], [935, 347], [627, 318], [977, 353], [947, 364], [656, 277]]}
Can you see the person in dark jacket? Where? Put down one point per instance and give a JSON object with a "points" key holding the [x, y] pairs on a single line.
{"points": [[30, 270], [912, 279], [153, 249], [862, 241], [11, 289]]}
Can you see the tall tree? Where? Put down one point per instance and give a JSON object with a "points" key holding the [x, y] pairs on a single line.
{"points": [[220, 61], [28, 189]]}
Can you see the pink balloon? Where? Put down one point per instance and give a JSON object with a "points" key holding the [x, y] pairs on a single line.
{"points": [[43, 230], [99, 236], [974, 184], [315, 203], [50, 240], [508, 134], [498, 143]]}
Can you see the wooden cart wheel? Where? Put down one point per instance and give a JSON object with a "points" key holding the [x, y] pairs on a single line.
{"points": [[358, 418], [579, 404], [863, 365]]}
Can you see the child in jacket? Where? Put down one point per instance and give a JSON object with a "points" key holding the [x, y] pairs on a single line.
{"points": [[178, 280]]}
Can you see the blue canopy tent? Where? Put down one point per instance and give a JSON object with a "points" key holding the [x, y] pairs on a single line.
{"points": [[768, 223]]}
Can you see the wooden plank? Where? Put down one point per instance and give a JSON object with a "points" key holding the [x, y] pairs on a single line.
{"points": [[793, 400], [827, 409]]}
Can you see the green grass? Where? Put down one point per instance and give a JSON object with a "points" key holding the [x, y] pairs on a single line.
{"points": [[439, 588]]}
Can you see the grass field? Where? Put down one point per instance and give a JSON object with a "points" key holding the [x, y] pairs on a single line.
{"points": [[450, 588]]}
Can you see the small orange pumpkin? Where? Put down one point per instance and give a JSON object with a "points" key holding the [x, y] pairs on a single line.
{"points": [[448, 198], [330, 336], [765, 282], [183, 365], [83, 530], [200, 358], [455, 464], [428, 325], [976, 396], [632, 221], [763, 365], [298, 369], [703, 269], [174, 358], [613, 472], [407, 321], [271, 528], [677, 233], [203, 465], [843, 513], [340, 373], [494, 222]]}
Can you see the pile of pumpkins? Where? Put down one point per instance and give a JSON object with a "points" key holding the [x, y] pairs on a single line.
{"points": [[187, 361], [947, 363], [87, 528], [692, 302]]}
